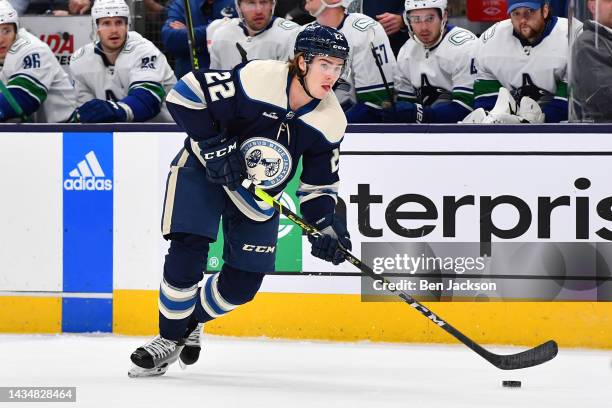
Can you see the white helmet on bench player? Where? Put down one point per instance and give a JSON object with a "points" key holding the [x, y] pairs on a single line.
{"points": [[8, 14], [411, 5]]}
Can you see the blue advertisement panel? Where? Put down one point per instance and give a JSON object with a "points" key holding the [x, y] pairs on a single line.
{"points": [[88, 221]]}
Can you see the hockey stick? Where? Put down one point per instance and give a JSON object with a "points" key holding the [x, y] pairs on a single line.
{"points": [[380, 69], [195, 64], [528, 358], [242, 52], [11, 101]]}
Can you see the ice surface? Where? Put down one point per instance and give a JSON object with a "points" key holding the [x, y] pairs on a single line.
{"points": [[247, 373]]}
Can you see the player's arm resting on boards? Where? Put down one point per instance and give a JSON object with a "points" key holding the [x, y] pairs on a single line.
{"points": [[29, 85], [143, 101], [202, 104], [555, 111], [370, 89]]}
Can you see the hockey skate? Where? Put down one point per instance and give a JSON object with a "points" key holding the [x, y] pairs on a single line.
{"points": [[191, 352], [153, 358]]}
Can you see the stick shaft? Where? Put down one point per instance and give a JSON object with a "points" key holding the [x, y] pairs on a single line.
{"points": [[528, 358], [195, 64]]}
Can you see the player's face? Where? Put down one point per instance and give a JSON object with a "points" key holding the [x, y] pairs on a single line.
{"points": [[601, 11], [529, 23], [7, 38], [256, 13], [323, 73], [112, 32], [426, 25], [311, 6]]}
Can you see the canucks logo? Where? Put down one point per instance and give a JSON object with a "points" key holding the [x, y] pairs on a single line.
{"points": [[268, 162]]}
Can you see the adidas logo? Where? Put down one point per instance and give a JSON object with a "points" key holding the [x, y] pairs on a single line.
{"points": [[88, 175], [271, 115]]}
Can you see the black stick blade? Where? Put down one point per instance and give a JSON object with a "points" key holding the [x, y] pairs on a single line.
{"points": [[528, 358]]}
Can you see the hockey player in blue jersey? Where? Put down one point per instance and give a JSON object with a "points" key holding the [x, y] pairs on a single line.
{"points": [[256, 121]]}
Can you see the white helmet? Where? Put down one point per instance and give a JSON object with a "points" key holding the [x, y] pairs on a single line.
{"points": [[237, 2], [410, 5], [109, 8], [425, 4], [8, 14], [344, 3]]}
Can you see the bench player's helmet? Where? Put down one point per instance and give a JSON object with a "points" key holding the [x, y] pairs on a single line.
{"points": [[109, 8], [410, 5], [8, 15], [324, 4]]}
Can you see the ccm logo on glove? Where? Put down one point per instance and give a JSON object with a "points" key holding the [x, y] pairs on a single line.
{"points": [[224, 151]]}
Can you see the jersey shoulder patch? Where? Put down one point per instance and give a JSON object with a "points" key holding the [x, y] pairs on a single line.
{"points": [[78, 55], [361, 22], [265, 81], [488, 34], [460, 36], [287, 24], [135, 42], [19, 45]]}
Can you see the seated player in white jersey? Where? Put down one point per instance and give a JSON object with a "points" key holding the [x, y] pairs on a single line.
{"points": [[122, 77], [434, 78], [369, 79], [256, 34], [39, 89], [527, 54]]}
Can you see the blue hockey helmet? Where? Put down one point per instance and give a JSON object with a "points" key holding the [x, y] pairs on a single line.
{"points": [[319, 40]]}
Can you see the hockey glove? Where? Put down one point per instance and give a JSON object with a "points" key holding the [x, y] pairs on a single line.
{"points": [[402, 112], [100, 111], [364, 113], [333, 234], [223, 160]]}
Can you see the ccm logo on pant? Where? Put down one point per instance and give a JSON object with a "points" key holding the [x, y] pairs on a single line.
{"points": [[259, 248]]}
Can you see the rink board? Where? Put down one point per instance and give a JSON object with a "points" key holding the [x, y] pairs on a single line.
{"points": [[79, 257]]}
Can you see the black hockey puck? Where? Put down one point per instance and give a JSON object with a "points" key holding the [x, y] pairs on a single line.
{"points": [[511, 384]]}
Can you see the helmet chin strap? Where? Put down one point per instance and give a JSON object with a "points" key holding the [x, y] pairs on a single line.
{"points": [[323, 6], [301, 79]]}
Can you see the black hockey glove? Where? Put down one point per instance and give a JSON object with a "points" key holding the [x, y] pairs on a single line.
{"points": [[100, 111], [223, 160], [334, 234]]}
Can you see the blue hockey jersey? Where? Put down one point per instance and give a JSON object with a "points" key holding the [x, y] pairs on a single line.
{"points": [[251, 102]]}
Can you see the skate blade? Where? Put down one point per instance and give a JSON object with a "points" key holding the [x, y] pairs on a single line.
{"points": [[138, 372]]}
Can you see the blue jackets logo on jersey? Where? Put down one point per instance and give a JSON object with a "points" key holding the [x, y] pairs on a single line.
{"points": [[268, 162], [88, 175]]}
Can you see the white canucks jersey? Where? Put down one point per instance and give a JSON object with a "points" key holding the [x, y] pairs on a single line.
{"points": [[439, 74], [32, 67], [538, 71], [140, 64], [365, 80], [274, 42]]}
